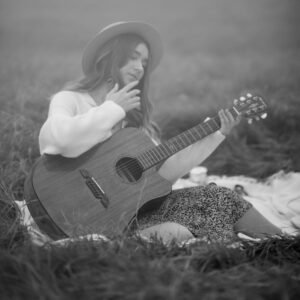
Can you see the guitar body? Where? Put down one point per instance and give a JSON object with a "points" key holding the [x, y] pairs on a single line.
{"points": [[63, 189]]}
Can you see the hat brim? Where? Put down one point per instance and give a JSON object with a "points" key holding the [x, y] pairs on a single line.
{"points": [[147, 32]]}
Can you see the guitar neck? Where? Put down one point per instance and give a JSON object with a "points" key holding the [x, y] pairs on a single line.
{"points": [[163, 151]]}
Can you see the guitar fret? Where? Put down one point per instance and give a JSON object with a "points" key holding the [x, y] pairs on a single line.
{"points": [[213, 126], [216, 123], [208, 130], [161, 152], [195, 129], [187, 139], [149, 157], [207, 123], [152, 155], [146, 156], [156, 153], [178, 143], [192, 137], [141, 160], [172, 146], [175, 146], [181, 137], [167, 149], [196, 137], [205, 133], [183, 140], [144, 161]]}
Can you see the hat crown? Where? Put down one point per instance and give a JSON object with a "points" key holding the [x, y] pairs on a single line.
{"points": [[112, 25], [145, 31]]}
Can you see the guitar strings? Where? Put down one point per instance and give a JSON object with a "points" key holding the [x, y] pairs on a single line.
{"points": [[132, 163], [134, 167]]}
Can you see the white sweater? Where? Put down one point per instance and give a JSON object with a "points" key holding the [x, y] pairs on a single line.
{"points": [[76, 123]]}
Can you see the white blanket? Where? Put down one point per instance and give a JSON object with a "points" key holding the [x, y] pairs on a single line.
{"points": [[277, 198]]}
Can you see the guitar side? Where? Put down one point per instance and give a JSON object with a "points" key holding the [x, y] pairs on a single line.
{"points": [[62, 190]]}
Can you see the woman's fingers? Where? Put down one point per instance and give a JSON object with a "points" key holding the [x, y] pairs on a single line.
{"points": [[113, 90], [223, 116], [123, 91], [135, 102], [133, 92], [229, 115], [126, 97], [226, 116], [227, 121], [129, 86]]}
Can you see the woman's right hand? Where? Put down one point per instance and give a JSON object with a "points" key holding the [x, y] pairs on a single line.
{"points": [[126, 97]]}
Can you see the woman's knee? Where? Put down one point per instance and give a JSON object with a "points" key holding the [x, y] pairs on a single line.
{"points": [[167, 232]]}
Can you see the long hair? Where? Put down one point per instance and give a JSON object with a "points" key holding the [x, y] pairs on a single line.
{"points": [[114, 55]]}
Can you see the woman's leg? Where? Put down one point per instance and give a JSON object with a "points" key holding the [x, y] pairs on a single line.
{"points": [[205, 212], [255, 225], [167, 232]]}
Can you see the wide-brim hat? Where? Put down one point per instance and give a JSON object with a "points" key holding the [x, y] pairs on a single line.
{"points": [[146, 31]]}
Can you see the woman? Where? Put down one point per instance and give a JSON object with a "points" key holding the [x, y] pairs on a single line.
{"points": [[113, 94]]}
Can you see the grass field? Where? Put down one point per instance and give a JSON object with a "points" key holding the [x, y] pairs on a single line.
{"points": [[214, 50]]}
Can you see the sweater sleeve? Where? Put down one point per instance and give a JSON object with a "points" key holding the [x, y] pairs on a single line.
{"points": [[182, 162], [70, 134]]}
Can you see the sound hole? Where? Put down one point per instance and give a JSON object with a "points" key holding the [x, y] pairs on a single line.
{"points": [[129, 169]]}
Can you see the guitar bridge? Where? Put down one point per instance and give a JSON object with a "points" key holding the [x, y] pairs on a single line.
{"points": [[94, 187]]}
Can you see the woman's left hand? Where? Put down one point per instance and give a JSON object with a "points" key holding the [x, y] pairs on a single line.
{"points": [[227, 121]]}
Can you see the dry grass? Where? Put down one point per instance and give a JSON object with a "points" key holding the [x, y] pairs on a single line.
{"points": [[136, 269]]}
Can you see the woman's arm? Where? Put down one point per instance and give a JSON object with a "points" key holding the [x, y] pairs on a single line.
{"points": [[71, 134], [182, 162]]}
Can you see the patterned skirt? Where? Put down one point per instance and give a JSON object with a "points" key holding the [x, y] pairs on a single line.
{"points": [[209, 212]]}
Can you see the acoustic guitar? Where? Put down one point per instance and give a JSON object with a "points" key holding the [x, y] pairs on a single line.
{"points": [[101, 190]]}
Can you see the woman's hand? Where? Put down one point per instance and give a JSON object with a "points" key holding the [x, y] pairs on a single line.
{"points": [[125, 97], [227, 121]]}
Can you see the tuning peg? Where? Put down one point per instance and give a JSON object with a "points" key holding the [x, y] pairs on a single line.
{"points": [[242, 98], [249, 95], [235, 102], [263, 116], [257, 118], [250, 121]]}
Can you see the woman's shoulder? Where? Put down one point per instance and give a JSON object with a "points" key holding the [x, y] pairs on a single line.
{"points": [[72, 101], [65, 95], [64, 100]]}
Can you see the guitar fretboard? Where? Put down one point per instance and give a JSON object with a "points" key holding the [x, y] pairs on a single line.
{"points": [[161, 152]]}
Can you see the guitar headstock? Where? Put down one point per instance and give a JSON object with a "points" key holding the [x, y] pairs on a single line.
{"points": [[251, 107]]}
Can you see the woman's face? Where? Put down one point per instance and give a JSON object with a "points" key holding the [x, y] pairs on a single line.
{"points": [[134, 68]]}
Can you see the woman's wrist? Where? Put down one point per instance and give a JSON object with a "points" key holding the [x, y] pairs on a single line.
{"points": [[221, 133]]}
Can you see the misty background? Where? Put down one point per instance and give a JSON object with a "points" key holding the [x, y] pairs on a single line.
{"points": [[215, 50]]}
